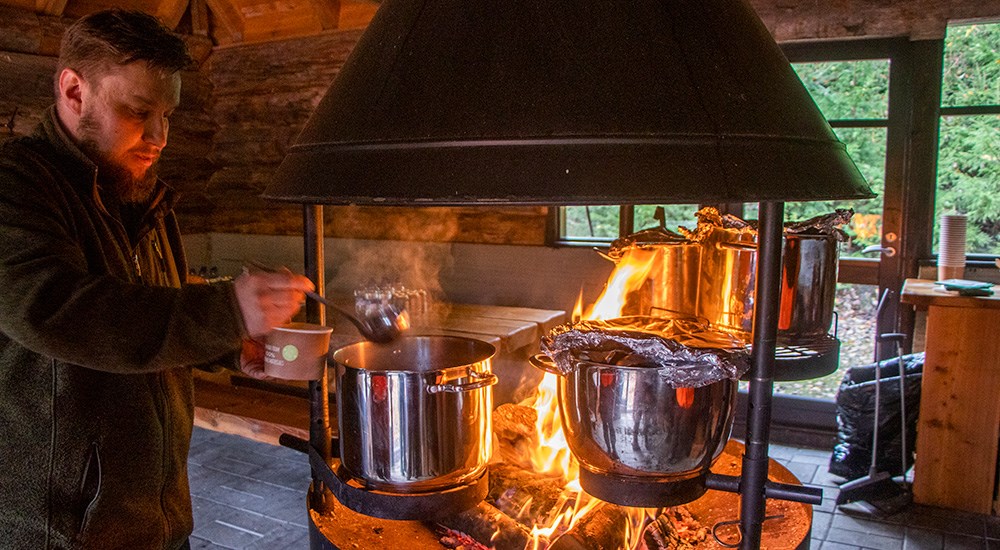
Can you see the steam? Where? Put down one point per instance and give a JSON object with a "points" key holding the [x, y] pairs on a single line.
{"points": [[356, 265]]}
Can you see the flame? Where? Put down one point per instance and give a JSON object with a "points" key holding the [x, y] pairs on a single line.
{"points": [[552, 456], [578, 308], [629, 275]]}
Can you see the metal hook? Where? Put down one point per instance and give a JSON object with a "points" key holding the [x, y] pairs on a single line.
{"points": [[739, 532]]}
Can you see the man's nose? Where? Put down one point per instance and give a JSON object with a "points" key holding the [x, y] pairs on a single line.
{"points": [[155, 131]]}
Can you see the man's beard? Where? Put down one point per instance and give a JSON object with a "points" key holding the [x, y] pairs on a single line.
{"points": [[128, 188]]}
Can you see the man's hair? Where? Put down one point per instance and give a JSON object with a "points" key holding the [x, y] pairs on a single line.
{"points": [[118, 37]]}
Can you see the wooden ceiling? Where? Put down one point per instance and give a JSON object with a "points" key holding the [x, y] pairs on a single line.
{"points": [[227, 21]]}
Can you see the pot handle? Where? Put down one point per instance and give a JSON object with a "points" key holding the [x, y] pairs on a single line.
{"points": [[738, 246], [483, 380], [545, 363]]}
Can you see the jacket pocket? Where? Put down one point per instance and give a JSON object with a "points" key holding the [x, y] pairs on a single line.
{"points": [[90, 486]]}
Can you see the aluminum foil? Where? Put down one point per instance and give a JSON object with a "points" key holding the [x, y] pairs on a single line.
{"points": [[656, 236], [710, 220], [685, 351], [827, 224]]}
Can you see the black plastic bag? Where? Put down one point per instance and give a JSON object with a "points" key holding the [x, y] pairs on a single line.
{"points": [[852, 454]]}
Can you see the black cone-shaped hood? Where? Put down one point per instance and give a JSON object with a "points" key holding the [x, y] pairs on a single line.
{"points": [[565, 102]]}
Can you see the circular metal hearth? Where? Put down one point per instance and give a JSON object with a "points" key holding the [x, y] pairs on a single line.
{"points": [[405, 506], [642, 492]]}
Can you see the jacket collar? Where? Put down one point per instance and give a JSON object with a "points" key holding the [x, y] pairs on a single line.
{"points": [[76, 162]]}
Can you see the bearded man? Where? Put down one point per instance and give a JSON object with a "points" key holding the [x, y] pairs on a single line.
{"points": [[98, 328]]}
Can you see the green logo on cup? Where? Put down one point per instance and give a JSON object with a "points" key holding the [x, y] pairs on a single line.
{"points": [[289, 352]]}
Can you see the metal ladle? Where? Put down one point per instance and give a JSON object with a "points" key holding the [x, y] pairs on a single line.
{"points": [[382, 327]]}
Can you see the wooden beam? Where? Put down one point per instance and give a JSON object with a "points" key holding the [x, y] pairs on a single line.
{"points": [[356, 14], [916, 19], [170, 12], [327, 12], [50, 7], [229, 24], [248, 412], [199, 17]]}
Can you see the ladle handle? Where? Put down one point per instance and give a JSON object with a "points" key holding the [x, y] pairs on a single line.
{"points": [[337, 308]]}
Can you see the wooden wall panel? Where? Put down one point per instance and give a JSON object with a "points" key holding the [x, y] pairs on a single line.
{"points": [[25, 91], [245, 106]]}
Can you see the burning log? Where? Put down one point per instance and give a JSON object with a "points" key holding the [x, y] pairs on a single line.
{"points": [[514, 428], [674, 528], [523, 495], [602, 528], [489, 527]]}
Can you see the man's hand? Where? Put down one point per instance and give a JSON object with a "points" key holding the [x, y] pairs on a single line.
{"points": [[269, 298], [252, 360]]}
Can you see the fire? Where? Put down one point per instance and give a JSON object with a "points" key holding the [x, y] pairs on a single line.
{"points": [[552, 456], [629, 275]]}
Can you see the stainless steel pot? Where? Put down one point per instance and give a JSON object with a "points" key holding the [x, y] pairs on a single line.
{"points": [[728, 280], [628, 421], [414, 415], [808, 285], [673, 280], [712, 279]]}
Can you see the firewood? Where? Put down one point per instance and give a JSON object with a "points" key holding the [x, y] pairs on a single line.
{"points": [[525, 496], [489, 527], [514, 429], [600, 529]]}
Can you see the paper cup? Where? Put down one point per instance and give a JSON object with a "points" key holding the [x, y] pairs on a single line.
{"points": [[296, 351], [951, 247], [946, 272]]}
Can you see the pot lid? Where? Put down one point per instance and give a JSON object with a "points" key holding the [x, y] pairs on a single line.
{"points": [[449, 102]]}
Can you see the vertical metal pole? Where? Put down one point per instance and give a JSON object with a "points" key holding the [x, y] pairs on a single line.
{"points": [[319, 409], [767, 296]]}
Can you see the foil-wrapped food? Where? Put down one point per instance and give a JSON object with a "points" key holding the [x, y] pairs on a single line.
{"points": [[685, 351], [826, 224]]}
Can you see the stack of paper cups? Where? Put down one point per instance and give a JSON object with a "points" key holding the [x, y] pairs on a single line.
{"points": [[951, 248]]}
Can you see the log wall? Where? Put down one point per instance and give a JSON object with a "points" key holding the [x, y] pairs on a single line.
{"points": [[263, 94], [245, 105], [29, 46]]}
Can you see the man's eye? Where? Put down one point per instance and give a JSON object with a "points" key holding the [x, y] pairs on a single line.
{"points": [[140, 114]]}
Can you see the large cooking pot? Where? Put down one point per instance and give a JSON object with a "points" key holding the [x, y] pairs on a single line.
{"points": [[808, 285], [632, 421], [414, 415]]}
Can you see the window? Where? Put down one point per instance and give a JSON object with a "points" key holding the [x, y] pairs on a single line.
{"points": [[590, 225], [968, 175]]}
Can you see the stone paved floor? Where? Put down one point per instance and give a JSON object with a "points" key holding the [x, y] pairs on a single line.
{"points": [[250, 495]]}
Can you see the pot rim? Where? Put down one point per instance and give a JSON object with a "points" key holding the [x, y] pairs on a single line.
{"points": [[477, 352]]}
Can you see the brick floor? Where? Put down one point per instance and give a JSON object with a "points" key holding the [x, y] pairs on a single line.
{"points": [[250, 495]]}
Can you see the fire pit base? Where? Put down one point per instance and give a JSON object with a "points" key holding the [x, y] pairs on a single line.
{"points": [[404, 506], [341, 527], [642, 492]]}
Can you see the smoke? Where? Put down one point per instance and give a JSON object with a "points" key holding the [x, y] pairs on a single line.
{"points": [[358, 265]]}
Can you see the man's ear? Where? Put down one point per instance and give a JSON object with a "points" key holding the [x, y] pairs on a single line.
{"points": [[71, 90]]}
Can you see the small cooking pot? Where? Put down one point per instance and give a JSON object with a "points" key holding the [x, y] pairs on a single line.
{"points": [[632, 422], [414, 415]]}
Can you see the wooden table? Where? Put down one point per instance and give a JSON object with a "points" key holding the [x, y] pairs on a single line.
{"points": [[234, 404], [959, 422]]}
